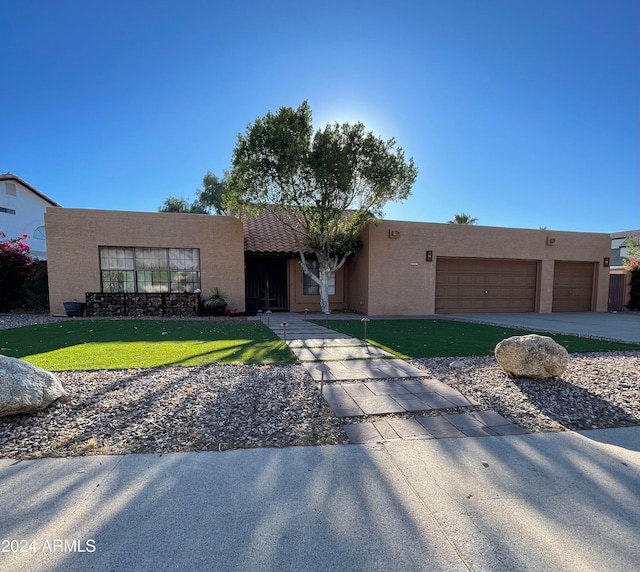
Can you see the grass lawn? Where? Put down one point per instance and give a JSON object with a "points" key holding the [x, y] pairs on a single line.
{"points": [[434, 338], [121, 344]]}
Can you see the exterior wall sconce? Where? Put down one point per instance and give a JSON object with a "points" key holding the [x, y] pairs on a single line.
{"points": [[429, 255], [551, 240], [606, 262], [394, 233]]}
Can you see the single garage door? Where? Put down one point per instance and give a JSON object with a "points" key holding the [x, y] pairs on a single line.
{"points": [[485, 285], [572, 286]]}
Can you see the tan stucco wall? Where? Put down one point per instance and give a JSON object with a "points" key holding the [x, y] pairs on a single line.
{"points": [[298, 301], [74, 235], [401, 282], [357, 270]]}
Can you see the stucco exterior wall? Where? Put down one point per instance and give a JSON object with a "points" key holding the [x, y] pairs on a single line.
{"points": [[29, 215], [74, 235], [298, 301], [357, 270], [402, 282]]}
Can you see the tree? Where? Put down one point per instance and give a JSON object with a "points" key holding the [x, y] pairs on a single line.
{"points": [[210, 197], [463, 218], [323, 186], [207, 199], [181, 205]]}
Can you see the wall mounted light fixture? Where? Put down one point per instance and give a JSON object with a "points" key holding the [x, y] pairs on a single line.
{"points": [[429, 255], [606, 262]]}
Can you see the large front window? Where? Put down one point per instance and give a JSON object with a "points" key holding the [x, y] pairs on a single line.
{"points": [[311, 287], [149, 270]]}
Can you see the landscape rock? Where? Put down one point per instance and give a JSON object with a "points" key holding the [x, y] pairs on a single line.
{"points": [[26, 388], [532, 356]]}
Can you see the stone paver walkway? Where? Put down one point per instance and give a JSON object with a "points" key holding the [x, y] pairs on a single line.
{"points": [[392, 386]]}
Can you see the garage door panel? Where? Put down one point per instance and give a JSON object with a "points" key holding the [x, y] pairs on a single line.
{"points": [[466, 285], [573, 286]]}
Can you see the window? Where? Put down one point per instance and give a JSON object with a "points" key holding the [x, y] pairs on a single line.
{"points": [[148, 270], [310, 287], [10, 189]]}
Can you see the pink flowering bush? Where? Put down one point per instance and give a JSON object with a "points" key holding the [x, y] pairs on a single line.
{"points": [[631, 264], [15, 264]]}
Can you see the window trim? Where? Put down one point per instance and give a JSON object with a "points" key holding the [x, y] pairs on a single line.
{"points": [[308, 283], [134, 272]]}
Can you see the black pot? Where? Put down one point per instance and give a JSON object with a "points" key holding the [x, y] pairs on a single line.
{"points": [[74, 309]]}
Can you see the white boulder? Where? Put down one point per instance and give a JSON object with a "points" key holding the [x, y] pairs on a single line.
{"points": [[26, 388], [532, 356]]}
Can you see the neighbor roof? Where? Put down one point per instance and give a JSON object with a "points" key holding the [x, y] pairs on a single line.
{"points": [[266, 234], [12, 177]]}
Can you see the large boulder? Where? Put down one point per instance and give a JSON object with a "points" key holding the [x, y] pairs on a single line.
{"points": [[532, 356], [26, 388]]}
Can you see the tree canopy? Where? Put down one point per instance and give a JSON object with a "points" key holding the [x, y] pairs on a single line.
{"points": [[323, 185], [208, 199], [463, 218]]}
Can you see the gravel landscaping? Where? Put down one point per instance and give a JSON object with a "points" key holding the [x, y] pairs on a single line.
{"points": [[221, 407]]}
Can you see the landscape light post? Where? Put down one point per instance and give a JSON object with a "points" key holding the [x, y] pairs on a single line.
{"points": [[365, 321], [322, 368]]}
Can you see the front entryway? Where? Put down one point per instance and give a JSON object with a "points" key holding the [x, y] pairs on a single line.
{"points": [[266, 283]]}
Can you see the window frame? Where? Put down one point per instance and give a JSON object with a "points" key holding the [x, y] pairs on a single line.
{"points": [[311, 288], [149, 270]]}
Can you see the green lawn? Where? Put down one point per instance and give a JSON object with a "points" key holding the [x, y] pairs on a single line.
{"points": [[120, 344], [433, 338]]}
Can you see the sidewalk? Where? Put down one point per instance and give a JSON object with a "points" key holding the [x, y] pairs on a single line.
{"points": [[556, 501], [360, 380]]}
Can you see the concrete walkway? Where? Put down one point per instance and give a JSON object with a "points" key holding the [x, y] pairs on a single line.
{"points": [[567, 502], [360, 380]]}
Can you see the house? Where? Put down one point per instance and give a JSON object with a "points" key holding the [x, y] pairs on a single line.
{"points": [[403, 268], [620, 278], [22, 209]]}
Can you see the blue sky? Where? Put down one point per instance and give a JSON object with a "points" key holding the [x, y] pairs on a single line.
{"points": [[521, 113]]}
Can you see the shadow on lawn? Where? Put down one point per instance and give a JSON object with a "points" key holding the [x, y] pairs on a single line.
{"points": [[93, 344]]}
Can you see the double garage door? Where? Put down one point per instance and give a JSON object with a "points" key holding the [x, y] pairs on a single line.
{"points": [[465, 285]]}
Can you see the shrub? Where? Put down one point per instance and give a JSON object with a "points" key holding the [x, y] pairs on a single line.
{"points": [[634, 299], [15, 264]]}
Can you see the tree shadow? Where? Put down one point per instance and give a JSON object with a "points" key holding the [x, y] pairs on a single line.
{"points": [[572, 406]]}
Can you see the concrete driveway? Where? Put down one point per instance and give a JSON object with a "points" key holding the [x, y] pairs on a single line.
{"points": [[624, 327]]}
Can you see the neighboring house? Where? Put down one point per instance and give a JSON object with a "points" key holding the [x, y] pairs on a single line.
{"points": [[620, 278], [403, 268], [22, 209]]}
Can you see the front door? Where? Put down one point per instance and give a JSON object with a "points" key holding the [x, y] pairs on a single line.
{"points": [[266, 283]]}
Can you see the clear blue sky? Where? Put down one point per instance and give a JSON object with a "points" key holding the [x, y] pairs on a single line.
{"points": [[521, 113]]}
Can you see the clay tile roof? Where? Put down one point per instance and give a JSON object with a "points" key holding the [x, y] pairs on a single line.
{"points": [[265, 233]]}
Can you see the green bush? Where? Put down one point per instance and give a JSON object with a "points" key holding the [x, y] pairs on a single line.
{"points": [[634, 300], [15, 265], [36, 288]]}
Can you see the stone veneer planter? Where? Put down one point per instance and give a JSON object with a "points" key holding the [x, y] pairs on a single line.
{"points": [[134, 304]]}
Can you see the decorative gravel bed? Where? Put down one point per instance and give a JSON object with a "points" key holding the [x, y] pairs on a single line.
{"points": [[221, 407], [598, 390]]}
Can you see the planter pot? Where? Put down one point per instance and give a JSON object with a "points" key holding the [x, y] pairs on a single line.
{"points": [[219, 309], [74, 309]]}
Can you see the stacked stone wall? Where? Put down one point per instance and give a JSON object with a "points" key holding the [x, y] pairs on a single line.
{"points": [[135, 304]]}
